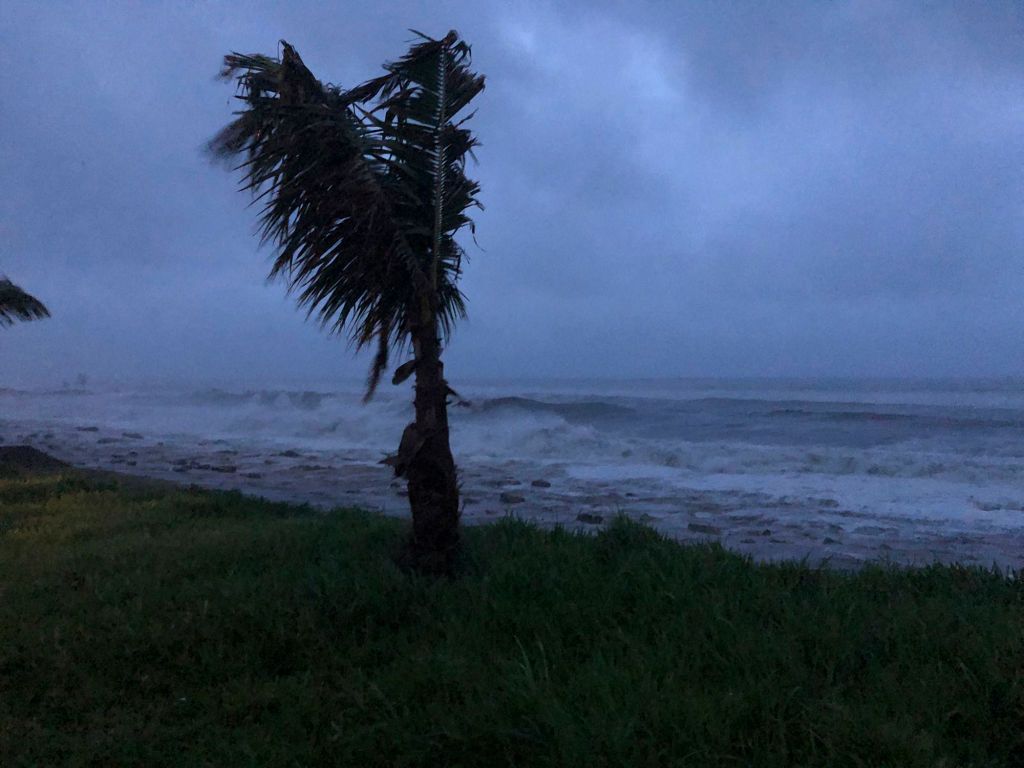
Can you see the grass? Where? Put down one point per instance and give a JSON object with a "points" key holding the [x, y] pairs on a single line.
{"points": [[151, 626]]}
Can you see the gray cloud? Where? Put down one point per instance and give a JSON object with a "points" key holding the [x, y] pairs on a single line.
{"points": [[671, 189]]}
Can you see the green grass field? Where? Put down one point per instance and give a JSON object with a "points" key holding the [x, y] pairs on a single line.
{"points": [[150, 626]]}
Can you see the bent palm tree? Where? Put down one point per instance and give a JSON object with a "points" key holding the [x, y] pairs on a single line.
{"points": [[363, 191], [15, 304]]}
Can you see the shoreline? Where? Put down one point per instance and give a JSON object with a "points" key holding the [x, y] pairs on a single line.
{"points": [[768, 529]]}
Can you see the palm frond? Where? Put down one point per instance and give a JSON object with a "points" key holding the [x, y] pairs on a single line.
{"points": [[362, 190], [16, 304]]}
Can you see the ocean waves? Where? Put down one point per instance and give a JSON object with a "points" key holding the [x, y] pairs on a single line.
{"points": [[930, 455]]}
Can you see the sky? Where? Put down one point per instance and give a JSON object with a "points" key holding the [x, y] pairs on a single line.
{"points": [[670, 188]]}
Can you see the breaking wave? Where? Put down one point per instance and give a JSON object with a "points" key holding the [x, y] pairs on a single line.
{"points": [[907, 452]]}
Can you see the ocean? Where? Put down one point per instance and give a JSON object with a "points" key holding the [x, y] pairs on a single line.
{"points": [[833, 470]]}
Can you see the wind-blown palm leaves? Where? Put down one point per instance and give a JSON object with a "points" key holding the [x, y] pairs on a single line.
{"points": [[364, 189], [16, 304], [362, 192]]}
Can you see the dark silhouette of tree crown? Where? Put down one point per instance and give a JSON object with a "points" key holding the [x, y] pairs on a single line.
{"points": [[362, 190]]}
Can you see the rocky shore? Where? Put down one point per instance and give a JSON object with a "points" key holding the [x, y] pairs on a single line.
{"points": [[763, 526]]}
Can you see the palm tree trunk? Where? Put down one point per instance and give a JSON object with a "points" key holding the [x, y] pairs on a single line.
{"points": [[433, 489]]}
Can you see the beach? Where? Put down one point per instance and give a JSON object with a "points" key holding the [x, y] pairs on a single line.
{"points": [[833, 472]]}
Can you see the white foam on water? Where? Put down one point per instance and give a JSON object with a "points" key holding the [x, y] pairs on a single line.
{"points": [[945, 453]]}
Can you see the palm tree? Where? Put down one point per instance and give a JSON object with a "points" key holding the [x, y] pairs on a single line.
{"points": [[363, 191], [15, 304]]}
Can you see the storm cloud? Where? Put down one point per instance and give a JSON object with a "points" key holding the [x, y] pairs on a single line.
{"points": [[670, 188]]}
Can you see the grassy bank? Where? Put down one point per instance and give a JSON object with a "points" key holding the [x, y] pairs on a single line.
{"points": [[149, 626]]}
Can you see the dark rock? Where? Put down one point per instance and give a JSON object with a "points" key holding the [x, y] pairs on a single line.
{"points": [[987, 506], [766, 532], [746, 518], [829, 540], [225, 468], [88, 429], [870, 530], [289, 454], [252, 475], [107, 440], [590, 518], [540, 484], [183, 465], [132, 435], [511, 498], [702, 528]]}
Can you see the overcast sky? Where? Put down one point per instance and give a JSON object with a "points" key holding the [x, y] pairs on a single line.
{"points": [[671, 188]]}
